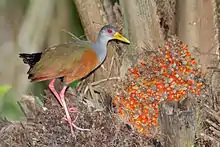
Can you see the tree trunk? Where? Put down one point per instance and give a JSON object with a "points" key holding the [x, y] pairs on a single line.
{"points": [[59, 22], [92, 17], [195, 26], [142, 27], [194, 21], [31, 38]]}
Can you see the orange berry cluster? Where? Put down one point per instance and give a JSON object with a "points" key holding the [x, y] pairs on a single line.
{"points": [[171, 74]]}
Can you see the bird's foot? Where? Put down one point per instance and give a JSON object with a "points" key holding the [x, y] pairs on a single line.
{"points": [[78, 128], [73, 110], [73, 125], [65, 118]]}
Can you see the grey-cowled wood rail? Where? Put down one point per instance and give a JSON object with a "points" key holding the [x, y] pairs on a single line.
{"points": [[71, 61]]}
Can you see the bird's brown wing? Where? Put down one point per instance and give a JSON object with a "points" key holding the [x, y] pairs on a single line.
{"points": [[87, 63], [67, 60]]}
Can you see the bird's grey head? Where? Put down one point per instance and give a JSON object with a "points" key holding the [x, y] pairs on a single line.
{"points": [[108, 33]]}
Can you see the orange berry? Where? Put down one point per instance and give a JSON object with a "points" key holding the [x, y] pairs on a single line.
{"points": [[132, 102], [197, 92], [155, 59], [132, 95], [127, 105], [131, 119], [174, 73], [141, 130], [193, 62], [181, 69], [165, 73], [138, 121], [171, 96], [145, 110], [149, 90], [121, 112], [185, 47], [114, 102], [169, 89], [199, 85], [188, 53], [170, 60], [190, 82], [156, 112]]}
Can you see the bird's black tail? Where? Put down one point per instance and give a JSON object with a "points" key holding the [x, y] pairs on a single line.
{"points": [[30, 59]]}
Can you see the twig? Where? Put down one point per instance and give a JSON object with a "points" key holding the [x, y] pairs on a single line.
{"points": [[215, 131], [112, 61], [215, 69], [73, 36], [212, 112], [94, 103], [207, 137], [86, 89], [104, 80], [98, 82], [103, 67], [26, 132], [91, 91], [212, 123]]}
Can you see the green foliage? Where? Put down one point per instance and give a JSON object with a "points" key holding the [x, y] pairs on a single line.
{"points": [[37, 89], [4, 89], [74, 84], [75, 22], [9, 107], [117, 1]]}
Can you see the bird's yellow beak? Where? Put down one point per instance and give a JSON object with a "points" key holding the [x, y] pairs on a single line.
{"points": [[119, 37]]}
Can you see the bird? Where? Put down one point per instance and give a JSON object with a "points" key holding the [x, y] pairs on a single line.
{"points": [[70, 61]]}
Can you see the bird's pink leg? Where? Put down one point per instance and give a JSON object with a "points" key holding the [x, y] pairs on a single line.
{"points": [[51, 86], [73, 109], [71, 123]]}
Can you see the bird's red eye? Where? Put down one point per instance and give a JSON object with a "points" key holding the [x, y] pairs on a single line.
{"points": [[109, 31]]}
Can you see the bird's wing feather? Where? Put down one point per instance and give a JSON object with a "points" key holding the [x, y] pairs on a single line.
{"points": [[61, 60], [87, 63]]}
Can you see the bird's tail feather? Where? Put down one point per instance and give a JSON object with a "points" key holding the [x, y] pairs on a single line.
{"points": [[30, 59]]}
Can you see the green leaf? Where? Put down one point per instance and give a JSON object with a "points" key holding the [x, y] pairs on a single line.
{"points": [[74, 84], [9, 108], [4, 89], [37, 89]]}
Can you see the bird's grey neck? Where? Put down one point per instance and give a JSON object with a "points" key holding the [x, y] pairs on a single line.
{"points": [[100, 47]]}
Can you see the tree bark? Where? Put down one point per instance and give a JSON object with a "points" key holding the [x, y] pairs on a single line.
{"points": [[141, 26], [186, 20], [141, 22], [216, 75], [195, 26], [178, 123], [92, 17], [108, 6]]}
